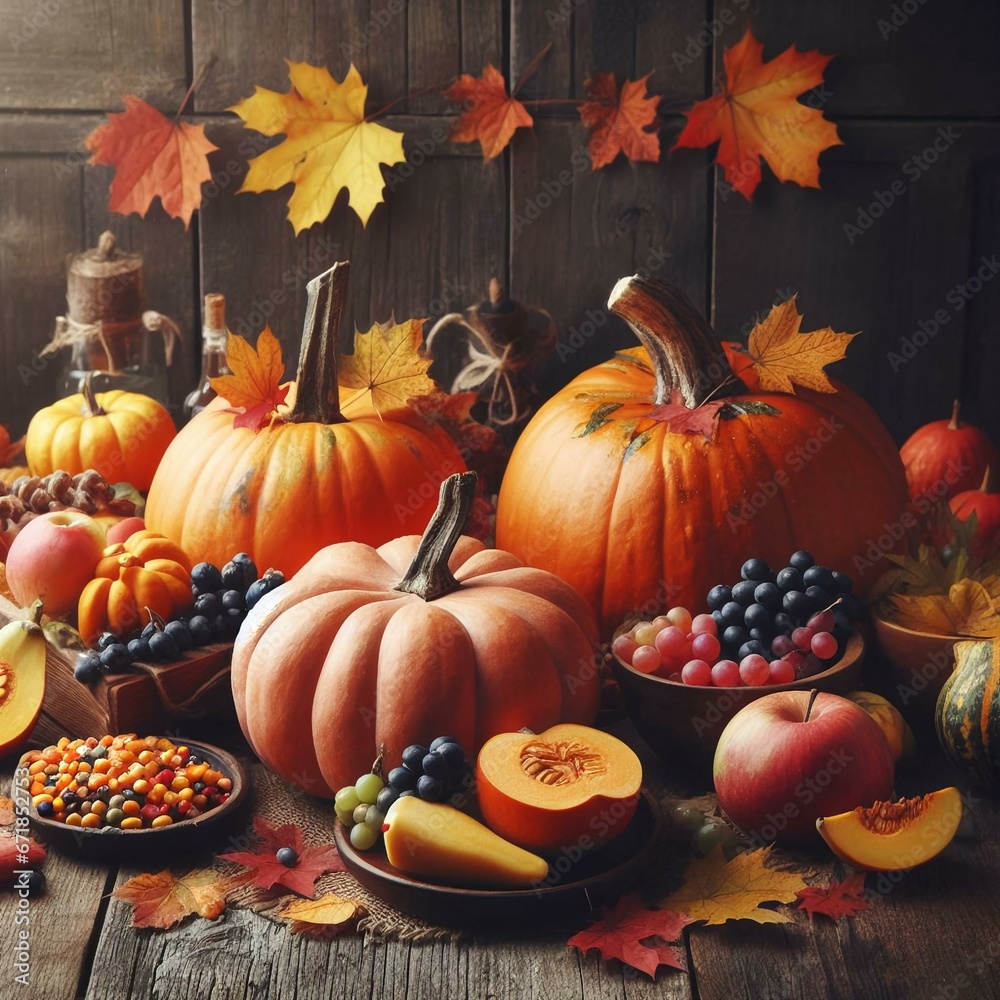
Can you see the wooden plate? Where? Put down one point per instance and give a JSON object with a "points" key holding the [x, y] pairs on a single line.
{"points": [[188, 834], [574, 889]]}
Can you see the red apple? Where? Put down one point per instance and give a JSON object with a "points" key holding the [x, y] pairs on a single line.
{"points": [[121, 530], [781, 763], [54, 557]]}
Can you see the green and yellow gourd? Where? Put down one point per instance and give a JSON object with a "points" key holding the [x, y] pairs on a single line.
{"points": [[967, 717]]}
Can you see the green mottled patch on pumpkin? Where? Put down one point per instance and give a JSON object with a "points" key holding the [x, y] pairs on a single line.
{"points": [[598, 419], [635, 444]]}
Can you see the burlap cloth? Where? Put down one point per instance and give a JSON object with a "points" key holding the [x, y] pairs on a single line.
{"points": [[279, 803]]}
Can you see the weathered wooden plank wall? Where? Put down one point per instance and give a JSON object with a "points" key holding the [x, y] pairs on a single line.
{"points": [[908, 75]]}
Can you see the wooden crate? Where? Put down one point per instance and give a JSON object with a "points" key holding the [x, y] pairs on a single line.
{"points": [[151, 698]]}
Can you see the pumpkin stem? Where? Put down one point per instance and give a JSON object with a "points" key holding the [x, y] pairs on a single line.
{"points": [[94, 408], [429, 576], [955, 422], [317, 395], [809, 707], [684, 350], [985, 488]]}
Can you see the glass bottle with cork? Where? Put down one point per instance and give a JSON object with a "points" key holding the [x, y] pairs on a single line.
{"points": [[214, 339], [112, 337]]}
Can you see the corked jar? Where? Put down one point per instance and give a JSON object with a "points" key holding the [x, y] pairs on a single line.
{"points": [[107, 328]]}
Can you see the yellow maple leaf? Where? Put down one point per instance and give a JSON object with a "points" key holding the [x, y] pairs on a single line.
{"points": [[781, 357], [324, 916], [924, 613], [387, 368], [328, 145], [255, 382], [716, 890]]}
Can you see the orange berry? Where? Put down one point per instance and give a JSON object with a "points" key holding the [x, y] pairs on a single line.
{"points": [[131, 807], [141, 786], [99, 808], [169, 798], [63, 743], [132, 823], [113, 784], [35, 799], [159, 790], [91, 742], [185, 793], [161, 821], [91, 820], [211, 777], [199, 802], [195, 772], [37, 767], [179, 782], [106, 741], [74, 819], [102, 764], [224, 784]]}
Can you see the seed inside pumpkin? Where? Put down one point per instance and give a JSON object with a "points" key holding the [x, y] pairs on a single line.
{"points": [[887, 817], [561, 762], [6, 682]]}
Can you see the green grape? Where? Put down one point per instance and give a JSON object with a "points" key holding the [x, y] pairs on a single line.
{"points": [[368, 786], [707, 838], [360, 813], [686, 818], [363, 837], [375, 819], [728, 840], [345, 816], [347, 799]]}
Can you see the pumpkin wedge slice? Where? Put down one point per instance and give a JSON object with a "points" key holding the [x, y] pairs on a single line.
{"points": [[889, 836], [570, 787], [22, 681]]}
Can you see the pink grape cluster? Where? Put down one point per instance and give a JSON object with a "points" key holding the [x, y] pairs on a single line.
{"points": [[686, 649]]}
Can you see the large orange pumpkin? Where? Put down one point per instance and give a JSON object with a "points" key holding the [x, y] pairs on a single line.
{"points": [[311, 478], [417, 639], [123, 435], [636, 516]]}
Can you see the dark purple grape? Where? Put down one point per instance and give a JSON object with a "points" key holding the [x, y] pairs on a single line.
{"points": [[743, 592], [271, 580], [87, 667], [430, 789], [413, 757], [207, 605], [205, 578], [819, 576], [435, 766], [801, 560], [180, 632], [797, 604], [757, 616], [138, 649], [401, 779], [386, 797], [201, 630], [163, 647], [735, 636], [788, 579], [719, 596], [114, 658], [439, 741], [732, 614], [842, 583], [452, 753], [755, 569]]}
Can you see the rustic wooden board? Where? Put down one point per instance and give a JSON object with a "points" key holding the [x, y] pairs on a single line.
{"points": [[887, 279], [60, 923], [893, 58], [63, 54]]}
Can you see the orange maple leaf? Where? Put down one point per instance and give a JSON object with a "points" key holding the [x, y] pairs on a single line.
{"points": [[488, 113], [757, 115], [154, 157], [161, 900], [618, 120], [255, 383]]}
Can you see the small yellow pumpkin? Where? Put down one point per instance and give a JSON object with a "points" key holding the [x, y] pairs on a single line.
{"points": [[122, 435], [146, 571]]}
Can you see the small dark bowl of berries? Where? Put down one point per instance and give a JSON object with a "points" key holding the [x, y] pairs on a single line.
{"points": [[686, 673]]}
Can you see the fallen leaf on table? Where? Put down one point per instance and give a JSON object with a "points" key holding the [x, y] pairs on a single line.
{"points": [[622, 929], [163, 899], [10, 846], [757, 114], [323, 917], [266, 871], [255, 383], [6, 811], [328, 145], [716, 890], [10, 450], [488, 114], [387, 367], [154, 157], [618, 120], [778, 357], [836, 900]]}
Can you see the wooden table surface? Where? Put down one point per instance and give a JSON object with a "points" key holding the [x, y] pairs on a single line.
{"points": [[931, 934]]}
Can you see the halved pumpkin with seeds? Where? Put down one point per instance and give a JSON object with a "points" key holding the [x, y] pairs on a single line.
{"points": [[889, 836], [570, 788]]}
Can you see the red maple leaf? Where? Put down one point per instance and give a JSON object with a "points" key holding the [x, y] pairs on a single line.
{"points": [[679, 419], [838, 899], [10, 847], [488, 113], [758, 115], [154, 157], [623, 929], [267, 871], [618, 121]]}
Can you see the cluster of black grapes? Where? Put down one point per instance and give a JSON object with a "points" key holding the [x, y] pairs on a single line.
{"points": [[751, 614], [222, 598], [434, 773]]}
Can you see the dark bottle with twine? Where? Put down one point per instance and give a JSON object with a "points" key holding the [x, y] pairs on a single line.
{"points": [[109, 333], [214, 340]]}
